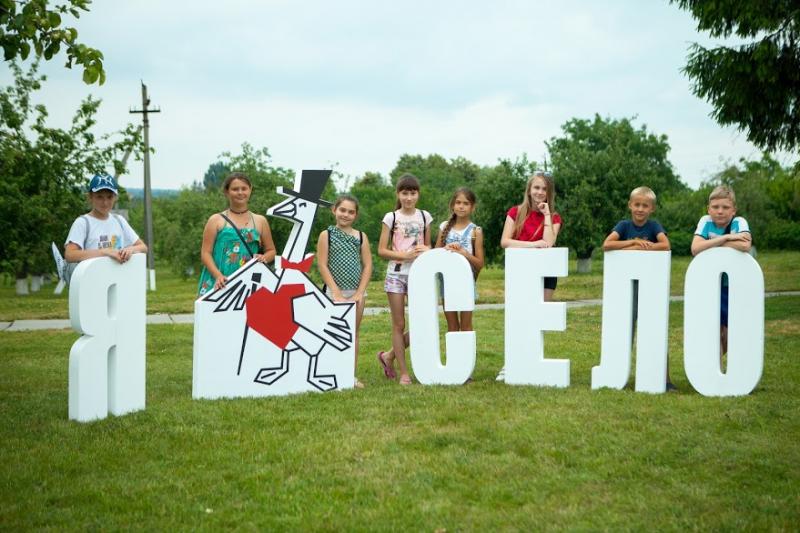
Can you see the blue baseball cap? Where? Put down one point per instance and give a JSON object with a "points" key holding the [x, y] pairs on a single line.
{"points": [[103, 181]]}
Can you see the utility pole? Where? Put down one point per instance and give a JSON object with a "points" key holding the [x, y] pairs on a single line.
{"points": [[148, 205]]}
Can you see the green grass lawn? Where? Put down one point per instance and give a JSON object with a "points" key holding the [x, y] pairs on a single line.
{"points": [[176, 295], [484, 456]]}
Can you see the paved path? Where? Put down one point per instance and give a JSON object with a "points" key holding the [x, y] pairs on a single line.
{"points": [[163, 318]]}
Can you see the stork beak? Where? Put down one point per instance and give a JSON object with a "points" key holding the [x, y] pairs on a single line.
{"points": [[286, 209]]}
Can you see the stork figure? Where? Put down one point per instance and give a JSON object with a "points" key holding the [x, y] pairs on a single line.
{"points": [[300, 316]]}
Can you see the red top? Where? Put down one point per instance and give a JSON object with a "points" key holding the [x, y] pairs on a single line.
{"points": [[533, 228]]}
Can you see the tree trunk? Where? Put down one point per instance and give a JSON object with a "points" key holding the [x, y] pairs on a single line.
{"points": [[22, 286], [584, 265], [36, 282]]}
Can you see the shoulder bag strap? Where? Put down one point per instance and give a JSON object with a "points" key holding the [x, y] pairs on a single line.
{"points": [[238, 233]]}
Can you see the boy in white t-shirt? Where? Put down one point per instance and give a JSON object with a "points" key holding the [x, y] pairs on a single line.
{"points": [[99, 232], [721, 227]]}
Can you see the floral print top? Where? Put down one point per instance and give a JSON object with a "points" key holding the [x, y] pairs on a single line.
{"points": [[229, 254]]}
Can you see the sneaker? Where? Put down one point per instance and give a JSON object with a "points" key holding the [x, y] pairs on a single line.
{"points": [[671, 387], [501, 376]]}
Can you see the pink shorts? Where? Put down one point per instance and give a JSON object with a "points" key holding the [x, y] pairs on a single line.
{"points": [[396, 283]]}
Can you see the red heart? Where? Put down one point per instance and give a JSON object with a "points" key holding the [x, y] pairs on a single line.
{"points": [[270, 313]]}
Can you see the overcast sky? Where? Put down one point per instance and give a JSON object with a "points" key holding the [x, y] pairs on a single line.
{"points": [[358, 83]]}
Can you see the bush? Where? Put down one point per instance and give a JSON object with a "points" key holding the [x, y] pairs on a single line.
{"points": [[780, 235], [681, 242]]}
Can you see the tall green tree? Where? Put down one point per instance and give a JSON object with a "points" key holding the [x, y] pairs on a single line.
{"points": [[754, 85], [34, 26], [596, 164], [44, 171]]}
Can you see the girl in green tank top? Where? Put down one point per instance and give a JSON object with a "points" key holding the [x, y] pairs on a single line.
{"points": [[345, 262], [226, 249]]}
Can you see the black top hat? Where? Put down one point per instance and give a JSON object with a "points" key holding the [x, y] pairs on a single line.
{"points": [[312, 183]]}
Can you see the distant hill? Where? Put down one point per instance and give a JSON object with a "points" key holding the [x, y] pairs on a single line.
{"points": [[157, 193]]}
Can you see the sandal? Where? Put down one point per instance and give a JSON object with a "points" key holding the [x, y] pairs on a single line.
{"points": [[405, 380], [388, 371]]}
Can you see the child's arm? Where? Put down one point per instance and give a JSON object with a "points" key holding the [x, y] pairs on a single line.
{"points": [[392, 255], [440, 239], [206, 257], [74, 253], [267, 244], [427, 233], [477, 260], [550, 236], [322, 265], [366, 269], [737, 241], [662, 245], [612, 243], [507, 242]]}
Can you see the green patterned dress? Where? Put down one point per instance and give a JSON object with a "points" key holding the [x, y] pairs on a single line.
{"points": [[344, 258], [229, 253]]}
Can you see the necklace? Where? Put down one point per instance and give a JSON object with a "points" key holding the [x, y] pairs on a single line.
{"points": [[238, 212]]}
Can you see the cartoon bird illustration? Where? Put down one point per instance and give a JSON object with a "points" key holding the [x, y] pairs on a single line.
{"points": [[296, 315]]}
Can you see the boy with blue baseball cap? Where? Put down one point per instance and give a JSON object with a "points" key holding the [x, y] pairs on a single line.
{"points": [[100, 232]]}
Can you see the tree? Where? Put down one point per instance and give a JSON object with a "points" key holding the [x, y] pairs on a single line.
{"points": [[439, 178], [181, 220], [755, 85], [214, 176], [596, 164], [44, 171], [31, 24]]}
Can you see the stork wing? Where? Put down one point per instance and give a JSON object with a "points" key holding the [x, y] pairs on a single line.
{"points": [[323, 318]]}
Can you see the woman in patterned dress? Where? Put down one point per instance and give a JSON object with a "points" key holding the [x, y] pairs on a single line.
{"points": [[233, 237]]}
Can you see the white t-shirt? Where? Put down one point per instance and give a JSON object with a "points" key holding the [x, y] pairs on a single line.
{"points": [[409, 230], [113, 232]]}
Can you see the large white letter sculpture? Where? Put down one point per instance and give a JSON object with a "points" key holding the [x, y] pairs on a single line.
{"points": [[271, 333], [620, 269], [701, 342], [423, 319], [107, 364], [527, 316]]}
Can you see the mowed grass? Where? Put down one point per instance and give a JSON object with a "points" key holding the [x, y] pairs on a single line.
{"points": [[176, 294], [484, 456]]}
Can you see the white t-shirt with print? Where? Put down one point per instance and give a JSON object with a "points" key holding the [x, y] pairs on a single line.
{"points": [[409, 230], [113, 232]]}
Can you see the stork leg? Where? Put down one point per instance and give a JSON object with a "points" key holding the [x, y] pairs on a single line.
{"points": [[324, 382], [268, 376]]}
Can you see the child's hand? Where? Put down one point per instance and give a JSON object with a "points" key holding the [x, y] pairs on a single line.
{"points": [[125, 254], [112, 253], [338, 296], [261, 258], [644, 244], [220, 282], [541, 244], [544, 208], [357, 297]]}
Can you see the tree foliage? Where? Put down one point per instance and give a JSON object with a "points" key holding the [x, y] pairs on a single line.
{"points": [[32, 26], [44, 171], [180, 221], [756, 85], [596, 164]]}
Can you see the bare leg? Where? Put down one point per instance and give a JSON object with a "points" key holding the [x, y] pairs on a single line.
{"points": [[452, 321], [359, 314], [723, 342], [399, 337], [466, 321], [548, 295]]}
